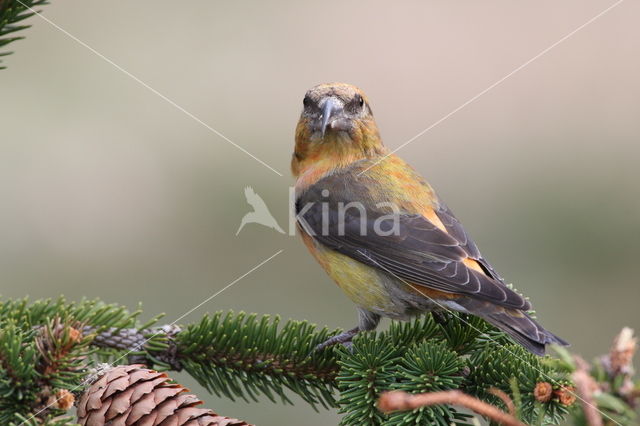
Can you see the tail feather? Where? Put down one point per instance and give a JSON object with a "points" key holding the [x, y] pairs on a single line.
{"points": [[524, 330]]}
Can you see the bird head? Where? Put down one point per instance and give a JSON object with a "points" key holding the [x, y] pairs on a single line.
{"points": [[336, 124]]}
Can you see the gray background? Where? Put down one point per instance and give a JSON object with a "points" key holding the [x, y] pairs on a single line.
{"points": [[109, 191]]}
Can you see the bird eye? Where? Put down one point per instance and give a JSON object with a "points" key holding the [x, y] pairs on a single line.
{"points": [[306, 101], [360, 101]]}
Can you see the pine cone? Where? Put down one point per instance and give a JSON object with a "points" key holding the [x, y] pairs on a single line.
{"points": [[134, 395]]}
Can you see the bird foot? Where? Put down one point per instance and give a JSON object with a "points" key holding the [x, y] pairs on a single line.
{"points": [[440, 317], [343, 338]]}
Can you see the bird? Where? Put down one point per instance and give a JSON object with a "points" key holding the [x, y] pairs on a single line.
{"points": [[382, 233], [260, 213]]}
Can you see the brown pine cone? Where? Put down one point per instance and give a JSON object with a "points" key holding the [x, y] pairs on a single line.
{"points": [[134, 395]]}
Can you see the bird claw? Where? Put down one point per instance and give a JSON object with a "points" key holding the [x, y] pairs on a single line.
{"points": [[343, 338], [440, 317], [348, 346]]}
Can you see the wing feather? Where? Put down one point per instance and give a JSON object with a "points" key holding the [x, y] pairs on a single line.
{"points": [[419, 253]]}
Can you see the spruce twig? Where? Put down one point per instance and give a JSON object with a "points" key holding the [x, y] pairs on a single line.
{"points": [[508, 402], [400, 401], [47, 349], [585, 386], [11, 13]]}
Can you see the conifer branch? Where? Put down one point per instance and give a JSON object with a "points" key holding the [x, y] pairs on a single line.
{"points": [[11, 13], [47, 348]]}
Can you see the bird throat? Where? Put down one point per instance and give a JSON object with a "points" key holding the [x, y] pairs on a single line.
{"points": [[335, 151]]}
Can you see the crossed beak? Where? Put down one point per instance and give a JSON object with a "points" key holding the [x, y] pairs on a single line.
{"points": [[332, 107]]}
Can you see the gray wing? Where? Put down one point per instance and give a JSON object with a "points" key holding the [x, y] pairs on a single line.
{"points": [[418, 252]]}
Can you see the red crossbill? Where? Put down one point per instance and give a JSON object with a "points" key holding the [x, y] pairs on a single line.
{"points": [[380, 231]]}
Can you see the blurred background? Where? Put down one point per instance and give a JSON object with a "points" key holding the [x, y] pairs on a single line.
{"points": [[110, 191]]}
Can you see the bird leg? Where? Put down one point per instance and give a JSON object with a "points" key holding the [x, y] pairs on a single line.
{"points": [[344, 338], [366, 321], [440, 317]]}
